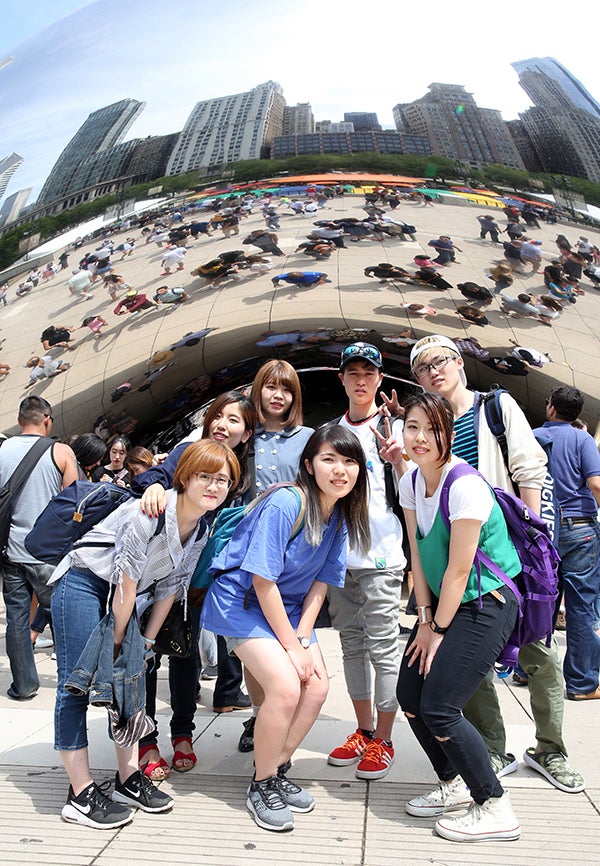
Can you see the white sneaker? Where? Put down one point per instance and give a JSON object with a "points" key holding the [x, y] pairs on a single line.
{"points": [[445, 798], [43, 643], [493, 821]]}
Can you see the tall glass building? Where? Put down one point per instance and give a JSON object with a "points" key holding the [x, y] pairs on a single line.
{"points": [[563, 127], [539, 78], [101, 131], [8, 166]]}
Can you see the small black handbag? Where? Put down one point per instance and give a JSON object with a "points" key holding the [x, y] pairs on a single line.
{"points": [[175, 635]]}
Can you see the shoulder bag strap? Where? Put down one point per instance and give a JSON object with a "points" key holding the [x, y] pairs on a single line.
{"points": [[27, 464]]}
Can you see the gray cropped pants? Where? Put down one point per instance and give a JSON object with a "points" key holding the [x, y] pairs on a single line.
{"points": [[365, 612]]}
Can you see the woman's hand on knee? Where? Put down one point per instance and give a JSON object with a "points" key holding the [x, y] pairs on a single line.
{"points": [[304, 664]]}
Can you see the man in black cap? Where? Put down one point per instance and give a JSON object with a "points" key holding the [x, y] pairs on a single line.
{"points": [[365, 611]]}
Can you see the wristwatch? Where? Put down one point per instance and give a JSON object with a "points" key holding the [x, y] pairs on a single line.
{"points": [[304, 641], [437, 628]]}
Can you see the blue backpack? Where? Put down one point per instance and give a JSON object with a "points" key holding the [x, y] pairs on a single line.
{"points": [[536, 587], [223, 528], [72, 513]]}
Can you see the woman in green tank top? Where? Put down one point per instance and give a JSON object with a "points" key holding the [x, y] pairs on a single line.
{"points": [[461, 629]]}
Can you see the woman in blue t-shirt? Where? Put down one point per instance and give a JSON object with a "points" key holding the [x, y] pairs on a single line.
{"points": [[464, 621], [271, 583]]}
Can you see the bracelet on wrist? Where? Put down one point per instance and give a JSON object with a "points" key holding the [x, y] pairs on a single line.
{"points": [[422, 613], [149, 640], [437, 629]]}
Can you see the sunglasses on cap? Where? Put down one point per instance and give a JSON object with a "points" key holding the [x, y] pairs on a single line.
{"points": [[361, 350]]}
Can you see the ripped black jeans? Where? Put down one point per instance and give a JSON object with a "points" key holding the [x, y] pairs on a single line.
{"points": [[434, 705]]}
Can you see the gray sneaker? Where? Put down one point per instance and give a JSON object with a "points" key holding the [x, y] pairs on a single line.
{"points": [[503, 763], [266, 804], [554, 767], [296, 797]]}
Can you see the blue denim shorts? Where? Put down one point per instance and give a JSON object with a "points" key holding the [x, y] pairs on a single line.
{"points": [[232, 643]]}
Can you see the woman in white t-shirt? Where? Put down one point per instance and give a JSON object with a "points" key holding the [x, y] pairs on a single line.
{"points": [[465, 617]]}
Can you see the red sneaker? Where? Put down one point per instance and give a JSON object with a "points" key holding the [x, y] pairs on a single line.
{"points": [[352, 750], [377, 760]]}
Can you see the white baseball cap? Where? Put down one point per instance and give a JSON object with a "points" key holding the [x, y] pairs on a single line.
{"points": [[436, 341]]}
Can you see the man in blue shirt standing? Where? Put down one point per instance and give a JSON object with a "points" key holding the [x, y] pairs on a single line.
{"points": [[575, 467]]}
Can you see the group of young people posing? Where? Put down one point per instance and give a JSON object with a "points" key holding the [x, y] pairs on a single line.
{"points": [[325, 526]]}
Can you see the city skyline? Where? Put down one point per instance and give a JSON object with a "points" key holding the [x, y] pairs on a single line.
{"points": [[208, 58]]}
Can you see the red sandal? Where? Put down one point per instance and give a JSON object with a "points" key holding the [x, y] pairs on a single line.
{"points": [[156, 771], [180, 756]]}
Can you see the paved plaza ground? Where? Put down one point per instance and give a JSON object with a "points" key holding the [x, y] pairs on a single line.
{"points": [[355, 823]]}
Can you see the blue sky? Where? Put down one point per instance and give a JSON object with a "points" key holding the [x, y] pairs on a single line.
{"points": [[338, 56], [23, 18]]}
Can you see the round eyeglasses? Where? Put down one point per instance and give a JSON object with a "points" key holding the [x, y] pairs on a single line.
{"points": [[207, 480]]}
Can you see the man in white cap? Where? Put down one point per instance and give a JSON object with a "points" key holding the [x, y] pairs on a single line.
{"points": [[439, 368]]}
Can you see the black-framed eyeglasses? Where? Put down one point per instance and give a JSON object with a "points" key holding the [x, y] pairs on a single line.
{"points": [[437, 364], [47, 415]]}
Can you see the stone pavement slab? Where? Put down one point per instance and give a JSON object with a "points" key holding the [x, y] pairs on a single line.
{"points": [[354, 824]]}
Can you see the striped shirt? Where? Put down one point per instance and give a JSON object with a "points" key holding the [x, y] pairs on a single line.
{"points": [[136, 551], [465, 439]]}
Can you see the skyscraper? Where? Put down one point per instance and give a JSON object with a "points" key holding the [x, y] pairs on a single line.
{"points": [[563, 127], [457, 127], [229, 128], [328, 126], [13, 205], [549, 85], [363, 120], [298, 119], [102, 130], [8, 166]]}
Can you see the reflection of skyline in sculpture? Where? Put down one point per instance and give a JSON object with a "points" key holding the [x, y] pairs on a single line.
{"points": [[103, 129], [561, 133], [229, 128], [549, 85], [56, 80], [8, 166], [13, 205]]}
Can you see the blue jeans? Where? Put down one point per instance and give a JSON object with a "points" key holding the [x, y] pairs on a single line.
{"points": [[20, 581], [579, 547], [79, 602], [433, 705]]}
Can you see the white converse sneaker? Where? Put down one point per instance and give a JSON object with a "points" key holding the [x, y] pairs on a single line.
{"points": [[493, 821], [445, 798]]}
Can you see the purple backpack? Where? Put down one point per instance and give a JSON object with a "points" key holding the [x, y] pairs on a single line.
{"points": [[536, 587]]}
